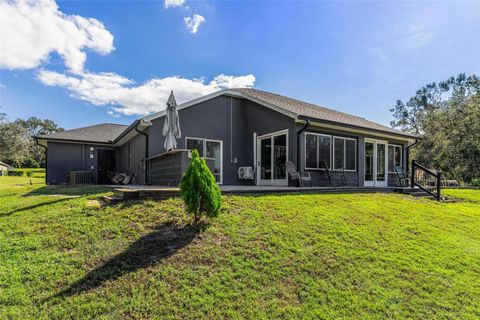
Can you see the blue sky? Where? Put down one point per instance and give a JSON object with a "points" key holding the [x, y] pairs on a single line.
{"points": [[357, 57]]}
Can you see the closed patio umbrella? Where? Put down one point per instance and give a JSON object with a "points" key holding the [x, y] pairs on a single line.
{"points": [[171, 127]]}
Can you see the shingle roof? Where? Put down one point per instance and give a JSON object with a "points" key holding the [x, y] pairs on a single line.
{"points": [[3, 164], [301, 108], [103, 133]]}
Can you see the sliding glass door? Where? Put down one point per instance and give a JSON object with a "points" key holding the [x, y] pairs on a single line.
{"points": [[375, 163], [272, 155]]}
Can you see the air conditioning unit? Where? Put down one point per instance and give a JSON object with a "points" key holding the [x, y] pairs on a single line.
{"points": [[245, 173]]}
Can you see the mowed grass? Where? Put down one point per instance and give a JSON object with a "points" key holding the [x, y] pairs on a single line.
{"points": [[378, 256]]}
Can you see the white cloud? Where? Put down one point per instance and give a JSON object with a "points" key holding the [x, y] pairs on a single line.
{"points": [[124, 97], [173, 3], [193, 23], [412, 36], [32, 30]]}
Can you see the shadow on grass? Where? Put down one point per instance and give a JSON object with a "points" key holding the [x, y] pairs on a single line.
{"points": [[162, 243], [74, 190], [34, 206]]}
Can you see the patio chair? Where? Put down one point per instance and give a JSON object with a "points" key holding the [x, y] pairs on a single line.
{"points": [[402, 176], [329, 176], [295, 175], [327, 172]]}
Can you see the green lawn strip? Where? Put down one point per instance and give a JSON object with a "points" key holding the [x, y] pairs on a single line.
{"points": [[291, 256]]}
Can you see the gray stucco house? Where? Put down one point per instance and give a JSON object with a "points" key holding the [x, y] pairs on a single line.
{"points": [[233, 129]]}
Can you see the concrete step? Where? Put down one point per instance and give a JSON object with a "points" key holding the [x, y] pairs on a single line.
{"points": [[112, 199], [126, 194]]}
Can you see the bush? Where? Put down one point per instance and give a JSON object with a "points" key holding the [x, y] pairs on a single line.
{"points": [[199, 190], [30, 163], [475, 182], [15, 173]]}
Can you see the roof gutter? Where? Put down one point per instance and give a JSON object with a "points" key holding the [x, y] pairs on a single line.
{"points": [[126, 131], [307, 118], [299, 132], [408, 152], [109, 143], [46, 157], [145, 167]]}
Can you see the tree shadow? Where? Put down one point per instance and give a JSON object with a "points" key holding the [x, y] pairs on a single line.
{"points": [[162, 243], [34, 206], [71, 190]]}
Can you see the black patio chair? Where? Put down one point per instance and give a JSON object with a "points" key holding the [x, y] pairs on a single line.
{"points": [[402, 176], [295, 175], [341, 172], [327, 172]]}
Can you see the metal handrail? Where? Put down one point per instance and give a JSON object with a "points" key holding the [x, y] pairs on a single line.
{"points": [[426, 179]]}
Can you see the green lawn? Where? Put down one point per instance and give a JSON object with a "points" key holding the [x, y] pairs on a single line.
{"points": [[377, 256]]}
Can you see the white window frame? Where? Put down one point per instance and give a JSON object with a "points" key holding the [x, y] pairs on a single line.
{"points": [[272, 181], [344, 154], [401, 156], [318, 152], [205, 140]]}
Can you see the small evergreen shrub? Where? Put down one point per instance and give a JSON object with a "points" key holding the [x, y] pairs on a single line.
{"points": [[475, 182], [199, 190], [15, 173]]}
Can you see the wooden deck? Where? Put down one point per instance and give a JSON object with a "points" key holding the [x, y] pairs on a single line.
{"points": [[130, 192]]}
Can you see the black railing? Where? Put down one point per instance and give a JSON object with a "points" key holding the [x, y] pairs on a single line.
{"points": [[426, 179]]}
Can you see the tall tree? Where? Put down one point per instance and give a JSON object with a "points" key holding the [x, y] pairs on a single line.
{"points": [[446, 115], [35, 127], [14, 143], [410, 116]]}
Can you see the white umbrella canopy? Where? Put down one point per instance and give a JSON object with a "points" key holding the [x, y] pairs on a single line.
{"points": [[171, 127]]}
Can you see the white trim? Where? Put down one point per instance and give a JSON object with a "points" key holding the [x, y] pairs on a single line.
{"points": [[229, 92], [271, 181], [193, 102], [318, 150], [374, 182], [205, 140], [363, 132], [344, 154], [103, 144], [276, 133], [255, 153], [401, 156]]}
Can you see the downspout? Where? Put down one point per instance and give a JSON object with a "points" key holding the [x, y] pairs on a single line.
{"points": [[145, 171], [299, 132], [46, 158], [408, 153]]}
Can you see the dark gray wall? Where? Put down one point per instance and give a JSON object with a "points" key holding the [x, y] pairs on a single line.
{"points": [[352, 178], [64, 157], [167, 170], [136, 165], [231, 120]]}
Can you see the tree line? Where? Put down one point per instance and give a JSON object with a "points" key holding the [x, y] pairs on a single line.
{"points": [[446, 115], [17, 143]]}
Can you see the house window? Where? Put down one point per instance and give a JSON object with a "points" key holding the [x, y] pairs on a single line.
{"points": [[317, 151], [394, 157], [344, 153], [211, 151]]}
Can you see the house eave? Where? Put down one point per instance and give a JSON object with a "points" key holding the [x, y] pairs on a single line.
{"points": [[224, 92], [327, 124], [46, 140]]}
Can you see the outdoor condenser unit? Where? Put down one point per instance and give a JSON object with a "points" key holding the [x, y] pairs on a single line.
{"points": [[245, 173]]}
